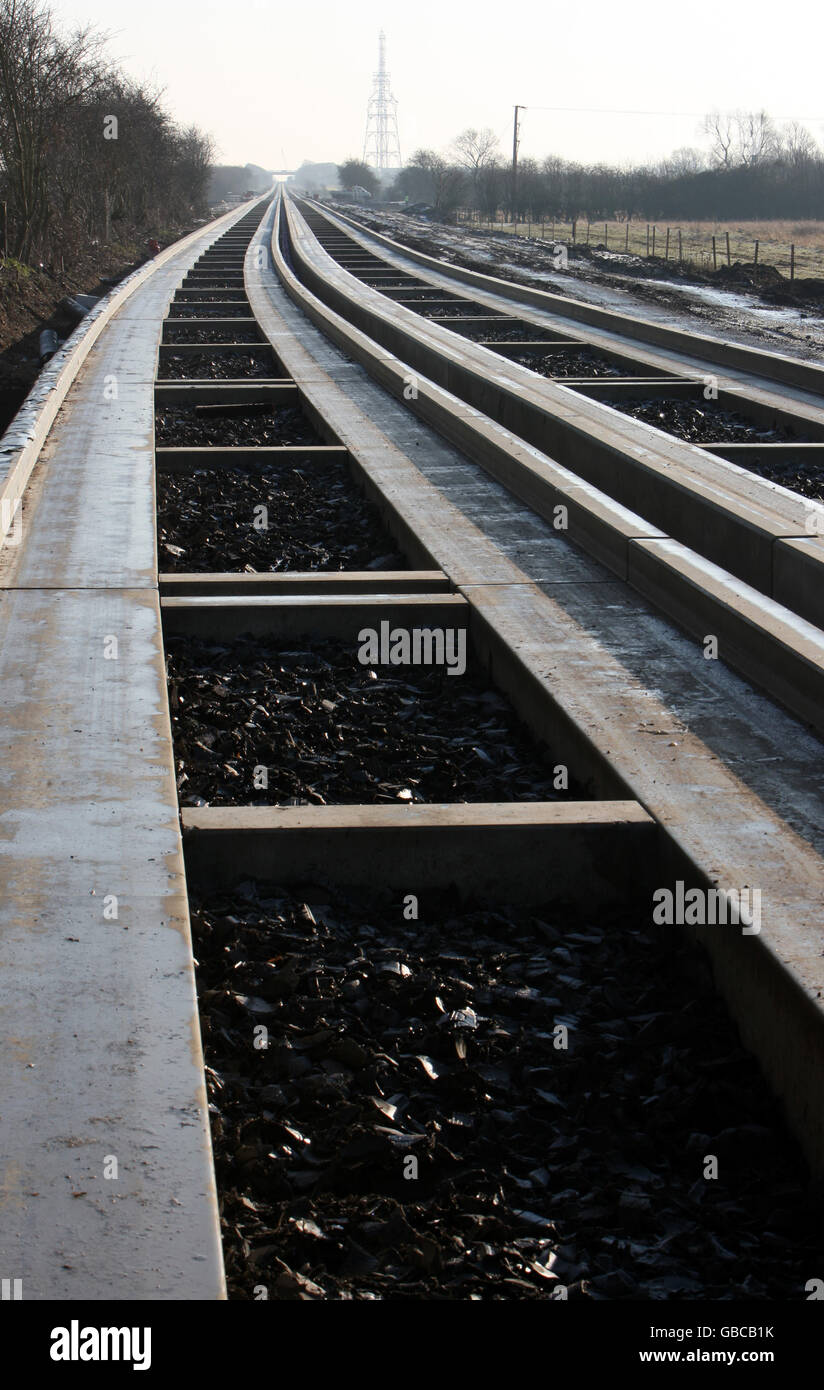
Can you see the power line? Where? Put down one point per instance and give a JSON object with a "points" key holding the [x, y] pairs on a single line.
{"points": [[617, 111]]}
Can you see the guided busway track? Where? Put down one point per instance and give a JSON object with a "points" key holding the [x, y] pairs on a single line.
{"points": [[432, 761]]}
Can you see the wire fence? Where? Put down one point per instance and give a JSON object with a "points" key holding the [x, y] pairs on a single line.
{"points": [[689, 244]]}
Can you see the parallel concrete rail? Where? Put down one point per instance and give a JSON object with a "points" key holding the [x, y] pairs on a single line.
{"points": [[721, 821], [757, 530], [730, 539]]}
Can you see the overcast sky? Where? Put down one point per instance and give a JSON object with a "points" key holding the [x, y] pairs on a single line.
{"points": [[275, 82]]}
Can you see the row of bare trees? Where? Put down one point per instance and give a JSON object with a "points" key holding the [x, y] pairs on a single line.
{"points": [[86, 154], [751, 169]]}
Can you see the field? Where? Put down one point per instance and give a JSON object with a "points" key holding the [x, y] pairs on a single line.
{"points": [[695, 247]]}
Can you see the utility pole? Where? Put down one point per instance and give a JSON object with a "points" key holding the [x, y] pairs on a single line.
{"points": [[515, 138]]}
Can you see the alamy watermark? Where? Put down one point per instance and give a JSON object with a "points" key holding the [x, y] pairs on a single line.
{"points": [[76, 1343], [708, 907], [417, 646]]}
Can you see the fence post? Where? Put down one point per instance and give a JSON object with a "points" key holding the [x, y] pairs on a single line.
{"points": [[680, 249], [626, 238], [573, 231], [589, 224], [714, 256], [755, 259], [666, 248], [792, 261], [606, 235], [653, 238], [729, 261], [648, 238]]}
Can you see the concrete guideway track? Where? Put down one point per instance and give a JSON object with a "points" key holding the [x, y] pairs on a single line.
{"points": [[716, 828], [760, 532]]}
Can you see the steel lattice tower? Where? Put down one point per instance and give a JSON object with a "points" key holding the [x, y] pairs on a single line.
{"points": [[381, 146]]}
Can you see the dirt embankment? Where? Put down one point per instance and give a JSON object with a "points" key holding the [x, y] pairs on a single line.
{"points": [[761, 280]]}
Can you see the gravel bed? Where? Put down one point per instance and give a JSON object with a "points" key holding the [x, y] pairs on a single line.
{"points": [[702, 424], [219, 365], [189, 426], [214, 297], [216, 333], [207, 310], [575, 362], [457, 311], [528, 333], [427, 296], [333, 731], [317, 519], [794, 472], [537, 1165]]}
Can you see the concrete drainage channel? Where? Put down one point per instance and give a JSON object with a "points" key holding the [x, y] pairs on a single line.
{"points": [[446, 1054]]}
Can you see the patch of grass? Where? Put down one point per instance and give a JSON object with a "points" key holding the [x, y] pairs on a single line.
{"points": [[21, 270]]}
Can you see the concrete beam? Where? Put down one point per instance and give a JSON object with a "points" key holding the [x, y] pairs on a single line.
{"points": [[361, 582], [280, 616], [527, 854]]}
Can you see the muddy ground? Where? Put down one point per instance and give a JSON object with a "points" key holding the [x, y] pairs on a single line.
{"points": [[757, 305]]}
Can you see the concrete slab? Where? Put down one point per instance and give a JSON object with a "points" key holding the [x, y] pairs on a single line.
{"points": [[105, 1156], [98, 1014], [595, 521], [769, 643]]}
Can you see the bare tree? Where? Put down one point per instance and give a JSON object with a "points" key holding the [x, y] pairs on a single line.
{"points": [[740, 138], [474, 149], [446, 181], [43, 75], [490, 186], [683, 162], [720, 127], [753, 171], [796, 145], [757, 137], [82, 147]]}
